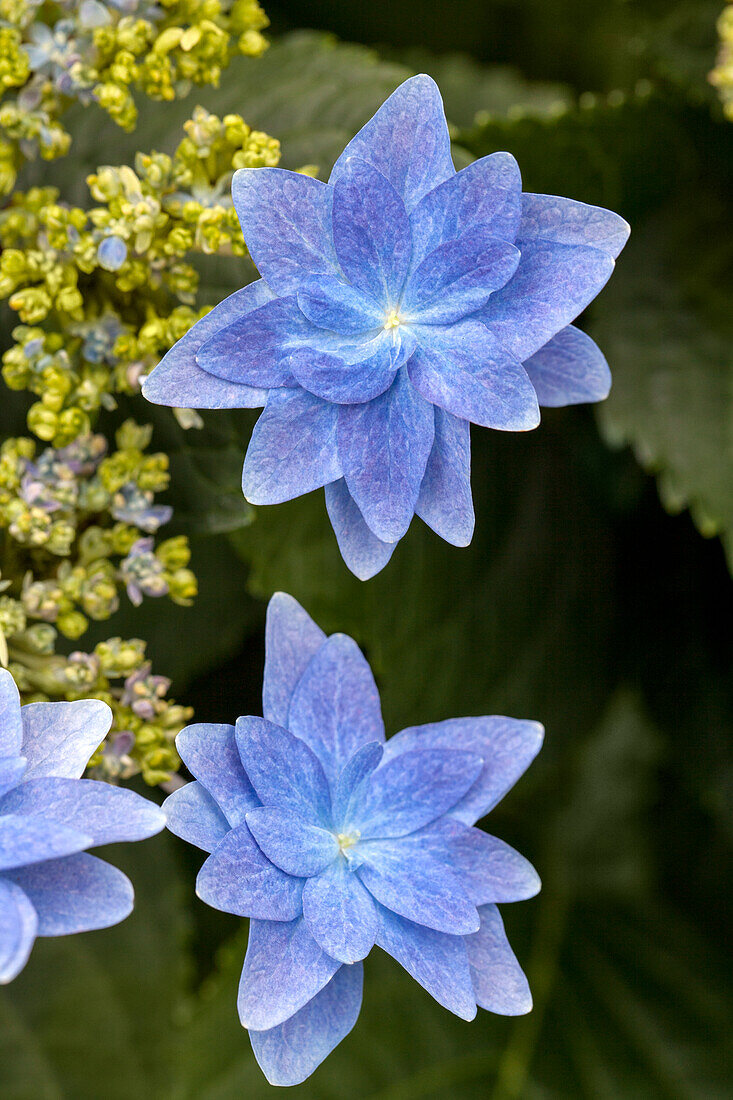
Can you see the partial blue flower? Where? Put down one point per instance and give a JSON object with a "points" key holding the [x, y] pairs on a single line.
{"points": [[112, 253], [399, 303], [331, 840], [49, 817]]}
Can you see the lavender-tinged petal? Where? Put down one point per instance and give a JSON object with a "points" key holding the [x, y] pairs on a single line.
{"points": [[445, 502], [283, 970], [210, 753], [237, 878], [412, 884], [59, 738], [492, 870], [75, 894], [384, 447], [291, 843], [293, 449], [340, 913], [361, 765], [499, 983], [291, 639], [11, 772], [407, 141], [331, 379], [11, 726], [362, 551], [179, 381], [193, 815], [289, 1053], [254, 349], [25, 840], [335, 707], [286, 222], [333, 304], [18, 929], [569, 222], [283, 770], [569, 370], [436, 960]]}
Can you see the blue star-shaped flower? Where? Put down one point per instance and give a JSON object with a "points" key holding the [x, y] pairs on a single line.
{"points": [[332, 839], [399, 302], [49, 885]]}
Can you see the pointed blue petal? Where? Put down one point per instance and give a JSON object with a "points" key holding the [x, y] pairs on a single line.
{"points": [[335, 707], [11, 727], [59, 738], [237, 878], [371, 232], [360, 766], [445, 502], [18, 927], [507, 745], [552, 285], [494, 871], [363, 552], [330, 378], [487, 193], [569, 222], [105, 814], [407, 141], [334, 304], [384, 448], [210, 753], [291, 843], [458, 277], [498, 980], [25, 840], [283, 970], [179, 381], [289, 1053], [11, 772], [291, 639], [434, 959], [569, 370], [412, 789], [340, 913], [75, 894], [293, 449], [283, 770], [193, 815], [254, 349], [286, 222]]}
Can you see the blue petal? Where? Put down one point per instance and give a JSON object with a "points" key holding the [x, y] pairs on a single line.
{"points": [[458, 277], [289, 1053], [363, 552], [11, 727], [569, 370], [507, 745], [106, 814], [445, 502], [384, 448], [25, 840], [330, 378], [553, 284], [193, 815], [18, 928], [291, 639], [210, 753], [498, 980], [291, 843], [334, 304], [569, 222], [283, 970], [410, 883], [412, 789], [254, 349], [59, 738], [283, 770], [494, 872], [362, 764], [467, 373], [487, 193], [11, 772], [179, 381], [293, 449], [286, 222], [434, 959], [335, 707], [371, 232], [340, 913], [75, 894], [407, 140], [237, 878]]}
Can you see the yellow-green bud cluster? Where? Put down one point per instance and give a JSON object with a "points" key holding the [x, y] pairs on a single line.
{"points": [[722, 74]]}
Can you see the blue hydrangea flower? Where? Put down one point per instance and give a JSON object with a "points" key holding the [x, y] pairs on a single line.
{"points": [[331, 839], [49, 816], [399, 302]]}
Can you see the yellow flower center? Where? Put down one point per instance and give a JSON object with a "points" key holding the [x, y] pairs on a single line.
{"points": [[347, 840], [393, 319]]}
